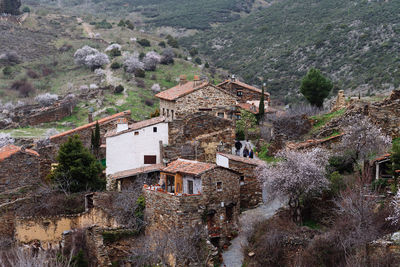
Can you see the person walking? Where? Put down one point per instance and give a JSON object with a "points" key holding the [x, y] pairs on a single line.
{"points": [[245, 152], [251, 154], [238, 146]]}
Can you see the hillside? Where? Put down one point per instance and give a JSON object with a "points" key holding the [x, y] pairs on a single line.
{"points": [[354, 42], [201, 14]]}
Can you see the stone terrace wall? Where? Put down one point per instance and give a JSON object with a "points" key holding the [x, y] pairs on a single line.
{"points": [[48, 230], [20, 169], [250, 187], [198, 136]]}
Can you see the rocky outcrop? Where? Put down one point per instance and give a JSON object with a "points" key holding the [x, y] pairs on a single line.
{"points": [[10, 6]]}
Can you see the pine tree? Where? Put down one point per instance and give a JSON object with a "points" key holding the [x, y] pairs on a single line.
{"points": [[315, 87], [77, 170], [261, 107]]}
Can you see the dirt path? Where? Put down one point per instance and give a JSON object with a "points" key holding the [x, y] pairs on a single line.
{"points": [[233, 257], [87, 28]]}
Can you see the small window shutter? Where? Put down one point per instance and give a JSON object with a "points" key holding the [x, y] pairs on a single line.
{"points": [[150, 159]]}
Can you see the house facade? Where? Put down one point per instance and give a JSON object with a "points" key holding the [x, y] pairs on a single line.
{"points": [[19, 167], [194, 96], [135, 146], [243, 92], [193, 193]]}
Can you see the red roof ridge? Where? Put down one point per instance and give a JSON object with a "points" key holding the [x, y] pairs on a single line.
{"points": [[9, 150], [188, 166], [135, 171], [245, 85], [103, 120]]}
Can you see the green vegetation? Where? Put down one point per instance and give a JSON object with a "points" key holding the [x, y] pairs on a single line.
{"points": [[315, 87], [77, 170], [247, 122], [113, 236], [144, 42], [321, 120], [395, 157], [351, 40], [104, 24], [263, 154]]}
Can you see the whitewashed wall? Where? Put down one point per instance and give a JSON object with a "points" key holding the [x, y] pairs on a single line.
{"points": [[126, 151], [222, 161], [196, 185]]}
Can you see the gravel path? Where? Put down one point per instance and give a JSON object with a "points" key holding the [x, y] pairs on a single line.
{"points": [[233, 257]]}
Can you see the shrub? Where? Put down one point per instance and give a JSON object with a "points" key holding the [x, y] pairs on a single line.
{"points": [[115, 65], [172, 41], [337, 183], [7, 70], [206, 65], [167, 56], [46, 71], [140, 83], [156, 88], [151, 60], [153, 77], [132, 63], [162, 44], [97, 60], [193, 51], [23, 87], [10, 58], [104, 24], [197, 60], [46, 99], [129, 24], [32, 74], [149, 102], [119, 89], [26, 9], [114, 50], [144, 42], [141, 56], [90, 57], [121, 23], [341, 163], [154, 114], [140, 73]]}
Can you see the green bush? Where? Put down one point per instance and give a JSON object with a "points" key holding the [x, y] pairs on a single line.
{"points": [[239, 134], [341, 163], [337, 183], [379, 184], [118, 89], [162, 44], [115, 52], [7, 71], [193, 51], [113, 236], [140, 73], [121, 23], [129, 25], [115, 65], [197, 60], [26, 9], [104, 24], [172, 41], [144, 42]]}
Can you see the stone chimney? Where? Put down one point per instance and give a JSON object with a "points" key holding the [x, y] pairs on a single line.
{"points": [[182, 80], [122, 125], [233, 78], [196, 80]]}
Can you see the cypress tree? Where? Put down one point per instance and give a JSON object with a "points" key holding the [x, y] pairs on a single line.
{"points": [[261, 107]]}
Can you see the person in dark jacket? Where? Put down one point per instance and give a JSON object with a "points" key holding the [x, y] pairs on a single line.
{"points": [[251, 154], [238, 146], [245, 152]]}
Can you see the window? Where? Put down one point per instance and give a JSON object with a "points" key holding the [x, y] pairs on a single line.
{"points": [[221, 114], [136, 133], [167, 113], [242, 178], [239, 93], [219, 186], [205, 109], [150, 159], [154, 129], [190, 187], [238, 117], [172, 114], [170, 184], [163, 111]]}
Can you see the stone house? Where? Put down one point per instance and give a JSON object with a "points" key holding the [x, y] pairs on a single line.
{"points": [[19, 167], [250, 187], [198, 136], [193, 96], [243, 92], [130, 148], [194, 193]]}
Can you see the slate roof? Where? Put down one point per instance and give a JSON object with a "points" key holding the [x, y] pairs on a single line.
{"points": [[136, 171], [250, 161], [137, 125], [92, 124], [244, 85], [188, 167], [9, 150], [180, 90]]}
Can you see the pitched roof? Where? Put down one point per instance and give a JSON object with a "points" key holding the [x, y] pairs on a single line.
{"points": [[383, 157], [92, 124], [9, 150], [137, 126], [244, 85], [312, 142], [136, 171], [180, 90], [188, 167], [250, 161]]}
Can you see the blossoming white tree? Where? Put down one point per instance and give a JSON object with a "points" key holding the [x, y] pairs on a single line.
{"points": [[151, 60], [90, 57], [298, 175], [46, 99], [132, 64], [6, 139]]}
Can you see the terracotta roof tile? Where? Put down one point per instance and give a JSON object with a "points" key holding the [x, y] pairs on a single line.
{"points": [[180, 90], [188, 167], [89, 125], [244, 85], [9, 150], [136, 171], [386, 156], [137, 126], [250, 161]]}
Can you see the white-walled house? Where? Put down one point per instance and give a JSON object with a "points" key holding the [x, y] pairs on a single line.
{"points": [[136, 146]]}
